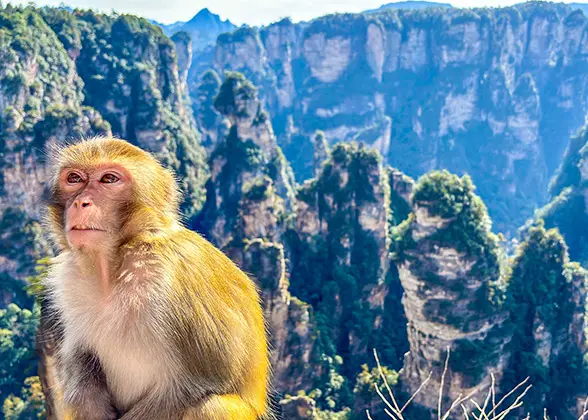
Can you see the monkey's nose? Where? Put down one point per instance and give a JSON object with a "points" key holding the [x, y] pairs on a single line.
{"points": [[81, 203]]}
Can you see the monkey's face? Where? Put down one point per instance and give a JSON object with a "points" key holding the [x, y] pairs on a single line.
{"points": [[94, 200]]}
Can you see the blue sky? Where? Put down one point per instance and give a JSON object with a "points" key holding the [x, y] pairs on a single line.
{"points": [[252, 12]]}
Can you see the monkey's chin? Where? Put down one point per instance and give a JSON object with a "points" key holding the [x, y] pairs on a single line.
{"points": [[86, 238]]}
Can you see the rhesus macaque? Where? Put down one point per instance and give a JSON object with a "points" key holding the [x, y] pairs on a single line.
{"points": [[156, 323]]}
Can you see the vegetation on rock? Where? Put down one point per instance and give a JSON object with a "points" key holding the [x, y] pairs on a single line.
{"points": [[547, 301]]}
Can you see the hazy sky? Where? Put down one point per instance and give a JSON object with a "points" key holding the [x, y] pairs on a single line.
{"points": [[252, 12]]}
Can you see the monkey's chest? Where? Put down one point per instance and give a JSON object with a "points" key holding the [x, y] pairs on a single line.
{"points": [[130, 371], [130, 356]]}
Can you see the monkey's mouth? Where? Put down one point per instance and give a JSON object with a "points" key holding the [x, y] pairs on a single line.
{"points": [[87, 228]]}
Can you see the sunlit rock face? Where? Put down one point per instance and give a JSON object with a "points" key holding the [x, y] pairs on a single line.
{"points": [[450, 270], [491, 92], [249, 197]]}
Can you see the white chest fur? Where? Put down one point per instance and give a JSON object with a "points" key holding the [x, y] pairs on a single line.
{"points": [[109, 326]]}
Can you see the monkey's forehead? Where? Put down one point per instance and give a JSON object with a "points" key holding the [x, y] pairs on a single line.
{"points": [[99, 151]]}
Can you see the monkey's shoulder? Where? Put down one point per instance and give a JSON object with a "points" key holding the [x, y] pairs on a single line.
{"points": [[177, 243], [190, 257]]}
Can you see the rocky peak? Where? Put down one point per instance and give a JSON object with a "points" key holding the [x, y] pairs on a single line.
{"points": [[203, 14], [183, 44], [203, 28], [237, 101], [449, 265], [547, 299], [249, 172], [339, 257]]}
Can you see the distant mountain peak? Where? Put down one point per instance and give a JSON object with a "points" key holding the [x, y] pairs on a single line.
{"points": [[205, 14], [203, 28]]}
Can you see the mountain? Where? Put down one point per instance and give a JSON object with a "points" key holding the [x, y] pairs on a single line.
{"points": [[494, 93], [168, 29], [374, 259], [409, 5], [203, 28]]}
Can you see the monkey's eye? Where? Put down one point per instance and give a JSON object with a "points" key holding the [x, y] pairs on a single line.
{"points": [[74, 178], [109, 179]]}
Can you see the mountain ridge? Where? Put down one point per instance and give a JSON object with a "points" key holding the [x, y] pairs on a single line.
{"points": [[409, 5], [425, 87]]}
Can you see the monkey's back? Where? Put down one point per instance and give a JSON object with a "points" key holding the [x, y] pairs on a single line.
{"points": [[221, 327]]}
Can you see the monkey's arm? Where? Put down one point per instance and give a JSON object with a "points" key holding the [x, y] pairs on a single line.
{"points": [[85, 393], [222, 407], [217, 332], [156, 405], [213, 407]]}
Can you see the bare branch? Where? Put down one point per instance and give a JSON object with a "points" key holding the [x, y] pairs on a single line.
{"points": [[417, 391], [387, 385], [441, 385]]}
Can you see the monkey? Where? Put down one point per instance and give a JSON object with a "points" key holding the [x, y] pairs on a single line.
{"points": [[156, 322]]}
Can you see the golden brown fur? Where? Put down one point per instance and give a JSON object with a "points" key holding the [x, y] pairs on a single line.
{"points": [[157, 322]]}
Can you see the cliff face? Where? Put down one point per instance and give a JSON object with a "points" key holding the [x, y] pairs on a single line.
{"points": [[292, 330], [568, 208], [184, 53], [249, 198], [339, 258], [548, 297], [450, 269], [489, 91]]}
